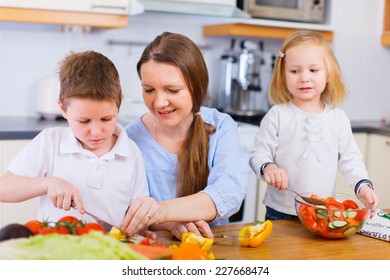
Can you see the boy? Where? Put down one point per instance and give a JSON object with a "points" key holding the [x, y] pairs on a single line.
{"points": [[91, 163]]}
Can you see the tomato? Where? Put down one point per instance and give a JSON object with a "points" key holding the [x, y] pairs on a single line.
{"points": [[35, 226], [361, 215], [335, 205], [350, 204], [88, 228], [68, 219]]}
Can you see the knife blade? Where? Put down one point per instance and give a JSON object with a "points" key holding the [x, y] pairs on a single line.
{"points": [[106, 225], [230, 236]]}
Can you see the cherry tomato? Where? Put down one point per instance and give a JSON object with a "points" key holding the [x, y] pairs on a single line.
{"points": [[35, 226], [88, 228], [69, 219]]}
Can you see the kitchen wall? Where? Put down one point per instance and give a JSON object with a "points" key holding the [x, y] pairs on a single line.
{"points": [[29, 52]]}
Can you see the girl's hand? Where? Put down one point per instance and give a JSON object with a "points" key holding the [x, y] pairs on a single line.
{"points": [[142, 212], [198, 227], [62, 194], [369, 198], [275, 176]]}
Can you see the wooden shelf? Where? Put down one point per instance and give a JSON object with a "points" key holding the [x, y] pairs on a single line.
{"points": [[250, 30], [386, 38], [61, 17], [386, 24]]}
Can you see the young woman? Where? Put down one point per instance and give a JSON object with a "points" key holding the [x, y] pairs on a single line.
{"points": [[194, 165], [304, 138]]}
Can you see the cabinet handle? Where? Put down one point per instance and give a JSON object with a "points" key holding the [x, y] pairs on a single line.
{"points": [[97, 6]]}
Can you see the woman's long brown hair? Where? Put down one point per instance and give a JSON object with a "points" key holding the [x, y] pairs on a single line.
{"points": [[182, 52]]}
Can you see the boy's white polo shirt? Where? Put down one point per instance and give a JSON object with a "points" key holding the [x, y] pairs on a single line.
{"points": [[106, 184]]}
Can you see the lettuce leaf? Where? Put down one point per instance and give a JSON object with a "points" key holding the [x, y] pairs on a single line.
{"points": [[92, 246]]}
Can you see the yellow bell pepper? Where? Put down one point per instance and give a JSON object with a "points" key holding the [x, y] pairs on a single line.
{"points": [[203, 242], [256, 234], [116, 233]]}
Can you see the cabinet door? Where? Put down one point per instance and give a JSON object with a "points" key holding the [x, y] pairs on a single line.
{"points": [[378, 163], [22, 211], [1, 170], [362, 142]]}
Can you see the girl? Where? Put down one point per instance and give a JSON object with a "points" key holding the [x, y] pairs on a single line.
{"points": [[305, 138], [195, 167]]}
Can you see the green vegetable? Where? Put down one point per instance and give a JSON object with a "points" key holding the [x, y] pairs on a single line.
{"points": [[92, 246]]}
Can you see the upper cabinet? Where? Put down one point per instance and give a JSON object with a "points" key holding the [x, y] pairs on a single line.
{"points": [[277, 20], [261, 29], [94, 13], [386, 24]]}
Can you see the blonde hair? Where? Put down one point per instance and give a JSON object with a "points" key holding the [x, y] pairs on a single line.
{"points": [[335, 91]]}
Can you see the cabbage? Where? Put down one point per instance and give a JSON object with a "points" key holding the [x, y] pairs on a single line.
{"points": [[92, 246]]}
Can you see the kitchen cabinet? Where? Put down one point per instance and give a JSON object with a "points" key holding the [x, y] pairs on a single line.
{"points": [[15, 212], [386, 24], [378, 163], [98, 13], [260, 29]]}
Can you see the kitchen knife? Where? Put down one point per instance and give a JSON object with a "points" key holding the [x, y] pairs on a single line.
{"points": [[106, 225], [230, 236]]}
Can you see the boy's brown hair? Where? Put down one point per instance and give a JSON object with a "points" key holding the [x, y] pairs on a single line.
{"points": [[89, 75]]}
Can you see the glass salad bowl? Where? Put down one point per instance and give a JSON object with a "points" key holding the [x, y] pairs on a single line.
{"points": [[342, 216]]}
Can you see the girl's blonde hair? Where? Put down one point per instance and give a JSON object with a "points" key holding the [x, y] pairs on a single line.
{"points": [[335, 90]]}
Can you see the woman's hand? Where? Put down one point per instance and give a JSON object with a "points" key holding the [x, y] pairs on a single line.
{"points": [[62, 194], [142, 212], [275, 176], [198, 227], [368, 197]]}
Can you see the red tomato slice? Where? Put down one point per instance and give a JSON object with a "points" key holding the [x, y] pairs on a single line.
{"points": [[350, 204]]}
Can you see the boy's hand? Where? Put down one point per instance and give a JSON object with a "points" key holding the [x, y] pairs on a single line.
{"points": [[62, 194], [369, 198], [275, 176]]}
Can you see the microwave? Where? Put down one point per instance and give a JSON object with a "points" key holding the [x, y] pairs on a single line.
{"points": [[290, 10]]}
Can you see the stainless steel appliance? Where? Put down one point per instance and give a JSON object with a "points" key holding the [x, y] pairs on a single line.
{"points": [[294, 10], [240, 91]]}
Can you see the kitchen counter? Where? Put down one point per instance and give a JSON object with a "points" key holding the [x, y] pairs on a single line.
{"points": [[290, 240], [14, 128]]}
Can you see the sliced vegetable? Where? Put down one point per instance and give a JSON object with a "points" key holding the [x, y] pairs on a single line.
{"points": [[92, 246], [203, 242], [152, 252], [350, 230], [339, 224], [322, 214], [254, 235], [190, 251]]}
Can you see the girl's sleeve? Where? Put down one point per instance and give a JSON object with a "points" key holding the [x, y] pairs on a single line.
{"points": [[229, 170], [265, 143], [351, 163]]}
